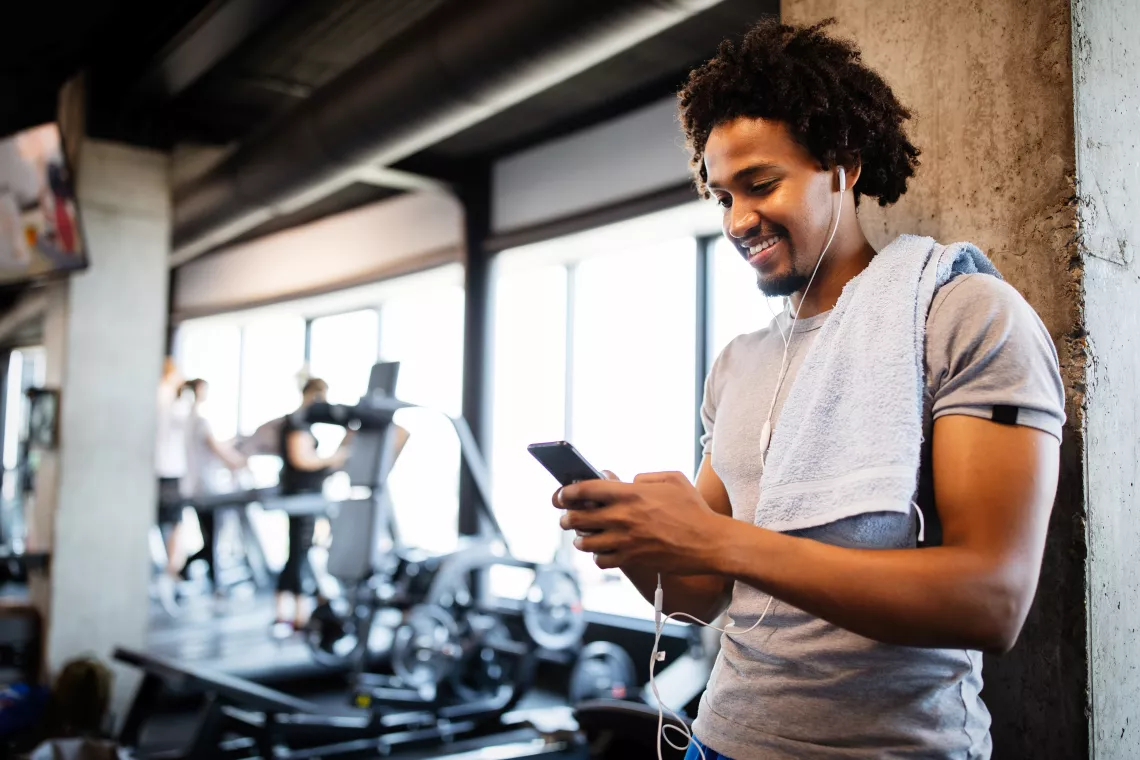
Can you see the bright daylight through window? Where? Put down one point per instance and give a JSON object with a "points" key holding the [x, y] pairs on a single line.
{"points": [[595, 341]]}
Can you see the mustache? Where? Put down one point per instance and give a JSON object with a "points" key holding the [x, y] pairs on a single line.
{"points": [[760, 233]]}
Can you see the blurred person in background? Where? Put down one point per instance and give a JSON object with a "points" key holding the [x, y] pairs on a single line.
{"points": [[206, 456], [303, 470], [170, 467]]}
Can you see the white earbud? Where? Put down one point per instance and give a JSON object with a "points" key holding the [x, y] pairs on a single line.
{"points": [[765, 441], [766, 432]]}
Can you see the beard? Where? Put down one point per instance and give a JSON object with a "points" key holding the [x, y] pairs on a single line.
{"points": [[781, 285], [785, 283]]}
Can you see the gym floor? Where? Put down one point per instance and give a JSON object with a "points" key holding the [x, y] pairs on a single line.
{"points": [[233, 637]]}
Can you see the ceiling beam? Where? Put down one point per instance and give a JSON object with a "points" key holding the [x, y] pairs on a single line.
{"points": [[397, 179], [220, 29]]}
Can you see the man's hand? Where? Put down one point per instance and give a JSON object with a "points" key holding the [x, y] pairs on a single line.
{"points": [[658, 521]]}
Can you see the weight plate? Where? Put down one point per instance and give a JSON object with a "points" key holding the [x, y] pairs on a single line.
{"points": [[552, 610], [485, 668], [603, 671], [331, 634], [426, 648]]}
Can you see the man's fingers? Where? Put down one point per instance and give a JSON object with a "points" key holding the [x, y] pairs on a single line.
{"points": [[589, 519], [599, 543], [610, 560], [661, 477], [610, 475], [600, 491]]}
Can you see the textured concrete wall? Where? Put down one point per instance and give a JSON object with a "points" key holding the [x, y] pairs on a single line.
{"points": [[104, 334], [990, 84], [1106, 68]]}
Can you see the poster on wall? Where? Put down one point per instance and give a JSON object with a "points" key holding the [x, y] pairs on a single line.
{"points": [[39, 218]]}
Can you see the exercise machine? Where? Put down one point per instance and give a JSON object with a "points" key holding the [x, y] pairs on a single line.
{"points": [[231, 509], [242, 719], [458, 664], [450, 645]]}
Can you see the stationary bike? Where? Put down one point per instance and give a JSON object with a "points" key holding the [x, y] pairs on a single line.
{"points": [[444, 645]]}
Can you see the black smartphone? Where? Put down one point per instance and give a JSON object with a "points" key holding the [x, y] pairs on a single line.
{"points": [[564, 462]]}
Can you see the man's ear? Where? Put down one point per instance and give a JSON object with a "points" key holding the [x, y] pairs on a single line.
{"points": [[852, 167]]}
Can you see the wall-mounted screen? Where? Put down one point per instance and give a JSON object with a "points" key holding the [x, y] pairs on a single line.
{"points": [[39, 221]]}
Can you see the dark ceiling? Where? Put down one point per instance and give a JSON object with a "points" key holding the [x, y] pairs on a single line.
{"points": [[298, 47], [213, 72], [42, 44], [640, 75]]}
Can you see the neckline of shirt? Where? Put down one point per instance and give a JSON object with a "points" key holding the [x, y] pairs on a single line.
{"points": [[803, 324]]}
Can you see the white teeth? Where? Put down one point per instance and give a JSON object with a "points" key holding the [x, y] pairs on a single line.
{"points": [[763, 244]]}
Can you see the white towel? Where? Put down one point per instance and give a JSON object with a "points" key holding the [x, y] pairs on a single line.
{"points": [[849, 436]]}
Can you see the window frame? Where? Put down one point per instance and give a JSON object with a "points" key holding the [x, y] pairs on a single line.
{"points": [[704, 243]]}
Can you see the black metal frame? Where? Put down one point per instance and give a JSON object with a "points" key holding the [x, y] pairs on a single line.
{"points": [[475, 193]]}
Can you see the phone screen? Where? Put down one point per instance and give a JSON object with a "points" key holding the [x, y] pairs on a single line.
{"points": [[564, 462]]}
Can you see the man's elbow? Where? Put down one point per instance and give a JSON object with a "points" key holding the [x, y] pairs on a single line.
{"points": [[1000, 641], [1003, 616]]}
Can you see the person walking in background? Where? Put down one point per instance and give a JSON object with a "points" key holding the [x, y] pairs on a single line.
{"points": [[170, 467], [303, 470], [205, 457]]}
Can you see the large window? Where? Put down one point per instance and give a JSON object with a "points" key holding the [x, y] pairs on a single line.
{"points": [[422, 328], [528, 403], [272, 361], [632, 386], [27, 368], [342, 350], [736, 305], [211, 351], [597, 346], [595, 340]]}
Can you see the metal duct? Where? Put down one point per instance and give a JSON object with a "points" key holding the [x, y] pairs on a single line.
{"points": [[460, 65]]}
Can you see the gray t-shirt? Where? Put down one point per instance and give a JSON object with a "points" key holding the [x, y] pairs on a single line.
{"points": [[798, 686]]}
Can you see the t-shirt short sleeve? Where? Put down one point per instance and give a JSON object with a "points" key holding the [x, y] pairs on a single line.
{"points": [[290, 424], [708, 404], [204, 431], [988, 355]]}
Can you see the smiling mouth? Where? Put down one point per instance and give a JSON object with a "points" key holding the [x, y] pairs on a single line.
{"points": [[762, 249]]}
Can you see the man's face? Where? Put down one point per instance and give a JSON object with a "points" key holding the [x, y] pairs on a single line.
{"points": [[777, 201]]}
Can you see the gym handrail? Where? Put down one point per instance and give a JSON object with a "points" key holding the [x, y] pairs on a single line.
{"points": [[372, 410]]}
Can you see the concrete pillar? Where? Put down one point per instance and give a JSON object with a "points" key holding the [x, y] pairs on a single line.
{"points": [[104, 335], [993, 86], [1106, 76]]}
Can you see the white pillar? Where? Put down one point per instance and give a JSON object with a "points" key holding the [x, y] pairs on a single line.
{"points": [[1106, 73], [105, 338]]}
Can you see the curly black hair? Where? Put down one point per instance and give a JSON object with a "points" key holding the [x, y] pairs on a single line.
{"points": [[835, 106]]}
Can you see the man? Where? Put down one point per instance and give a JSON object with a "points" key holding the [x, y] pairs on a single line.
{"points": [[849, 640]]}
